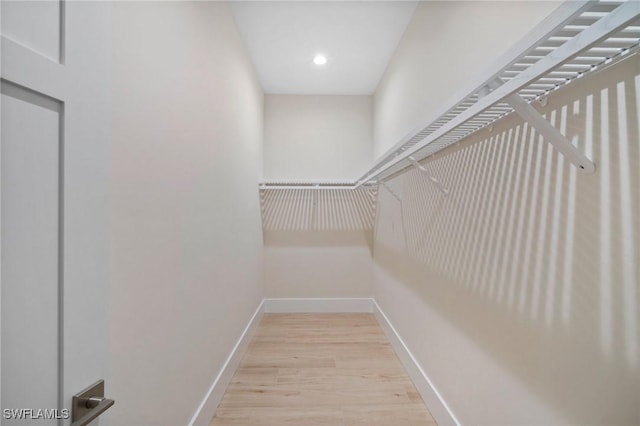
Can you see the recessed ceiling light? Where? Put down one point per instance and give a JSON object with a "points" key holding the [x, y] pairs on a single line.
{"points": [[320, 59]]}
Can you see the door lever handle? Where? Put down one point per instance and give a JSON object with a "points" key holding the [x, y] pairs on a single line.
{"points": [[89, 404], [94, 401]]}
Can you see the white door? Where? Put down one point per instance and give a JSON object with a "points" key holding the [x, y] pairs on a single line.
{"points": [[54, 171]]}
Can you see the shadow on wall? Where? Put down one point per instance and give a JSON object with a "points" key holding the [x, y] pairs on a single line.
{"points": [[317, 242], [325, 239], [326, 210], [533, 260], [318, 217]]}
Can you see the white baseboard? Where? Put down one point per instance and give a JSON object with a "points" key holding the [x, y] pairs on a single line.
{"points": [[430, 395], [318, 305], [209, 404]]}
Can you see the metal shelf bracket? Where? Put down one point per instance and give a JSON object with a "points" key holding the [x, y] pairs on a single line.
{"points": [[550, 133], [428, 174], [538, 122]]}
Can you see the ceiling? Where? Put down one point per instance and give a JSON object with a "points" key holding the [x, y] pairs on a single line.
{"points": [[357, 37]]}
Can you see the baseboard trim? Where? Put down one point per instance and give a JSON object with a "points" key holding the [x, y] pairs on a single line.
{"points": [[318, 305], [430, 395], [209, 404]]}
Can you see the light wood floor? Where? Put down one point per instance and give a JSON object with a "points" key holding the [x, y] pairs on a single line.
{"points": [[321, 369]]}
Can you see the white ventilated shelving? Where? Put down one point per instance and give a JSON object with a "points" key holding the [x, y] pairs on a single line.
{"points": [[577, 39], [306, 184], [580, 38], [305, 208]]}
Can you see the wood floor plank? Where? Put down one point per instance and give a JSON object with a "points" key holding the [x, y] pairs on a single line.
{"points": [[321, 369]]}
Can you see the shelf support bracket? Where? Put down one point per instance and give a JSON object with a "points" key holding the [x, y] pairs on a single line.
{"points": [[550, 133], [428, 174], [538, 122]]}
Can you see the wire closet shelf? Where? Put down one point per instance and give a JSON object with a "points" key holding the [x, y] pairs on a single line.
{"points": [[577, 39]]}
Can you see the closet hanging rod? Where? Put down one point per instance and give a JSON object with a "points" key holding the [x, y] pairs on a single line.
{"points": [[614, 21], [561, 17], [580, 37]]}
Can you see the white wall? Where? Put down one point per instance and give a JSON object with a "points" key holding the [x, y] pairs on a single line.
{"points": [[317, 137], [518, 293], [311, 264], [186, 241], [445, 45]]}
